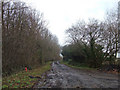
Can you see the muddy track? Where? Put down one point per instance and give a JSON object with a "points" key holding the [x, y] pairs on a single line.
{"points": [[62, 76]]}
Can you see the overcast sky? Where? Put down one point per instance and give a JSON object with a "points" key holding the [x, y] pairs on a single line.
{"points": [[61, 14]]}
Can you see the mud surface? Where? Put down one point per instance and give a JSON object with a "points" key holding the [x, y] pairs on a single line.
{"points": [[62, 76]]}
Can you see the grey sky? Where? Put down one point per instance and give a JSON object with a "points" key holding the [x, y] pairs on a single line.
{"points": [[61, 14]]}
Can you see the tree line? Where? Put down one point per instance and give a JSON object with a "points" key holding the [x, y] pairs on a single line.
{"points": [[26, 40], [93, 43]]}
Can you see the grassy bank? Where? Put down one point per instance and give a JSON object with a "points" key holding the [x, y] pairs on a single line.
{"points": [[86, 68], [77, 65], [22, 79]]}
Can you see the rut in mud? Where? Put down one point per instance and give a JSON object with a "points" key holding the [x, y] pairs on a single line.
{"points": [[62, 76]]}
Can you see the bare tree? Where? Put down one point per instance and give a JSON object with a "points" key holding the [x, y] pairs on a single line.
{"points": [[26, 39]]}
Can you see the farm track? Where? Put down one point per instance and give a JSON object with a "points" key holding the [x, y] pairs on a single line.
{"points": [[62, 76]]}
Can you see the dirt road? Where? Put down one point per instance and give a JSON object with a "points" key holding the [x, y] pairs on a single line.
{"points": [[62, 76]]}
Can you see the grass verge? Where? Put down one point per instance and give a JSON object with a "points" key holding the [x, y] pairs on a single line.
{"points": [[77, 66], [86, 68], [22, 79]]}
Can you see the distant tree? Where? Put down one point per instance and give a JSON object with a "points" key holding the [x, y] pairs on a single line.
{"points": [[87, 35], [110, 35]]}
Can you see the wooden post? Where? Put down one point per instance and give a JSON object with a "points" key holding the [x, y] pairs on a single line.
{"points": [[1, 19], [118, 53]]}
